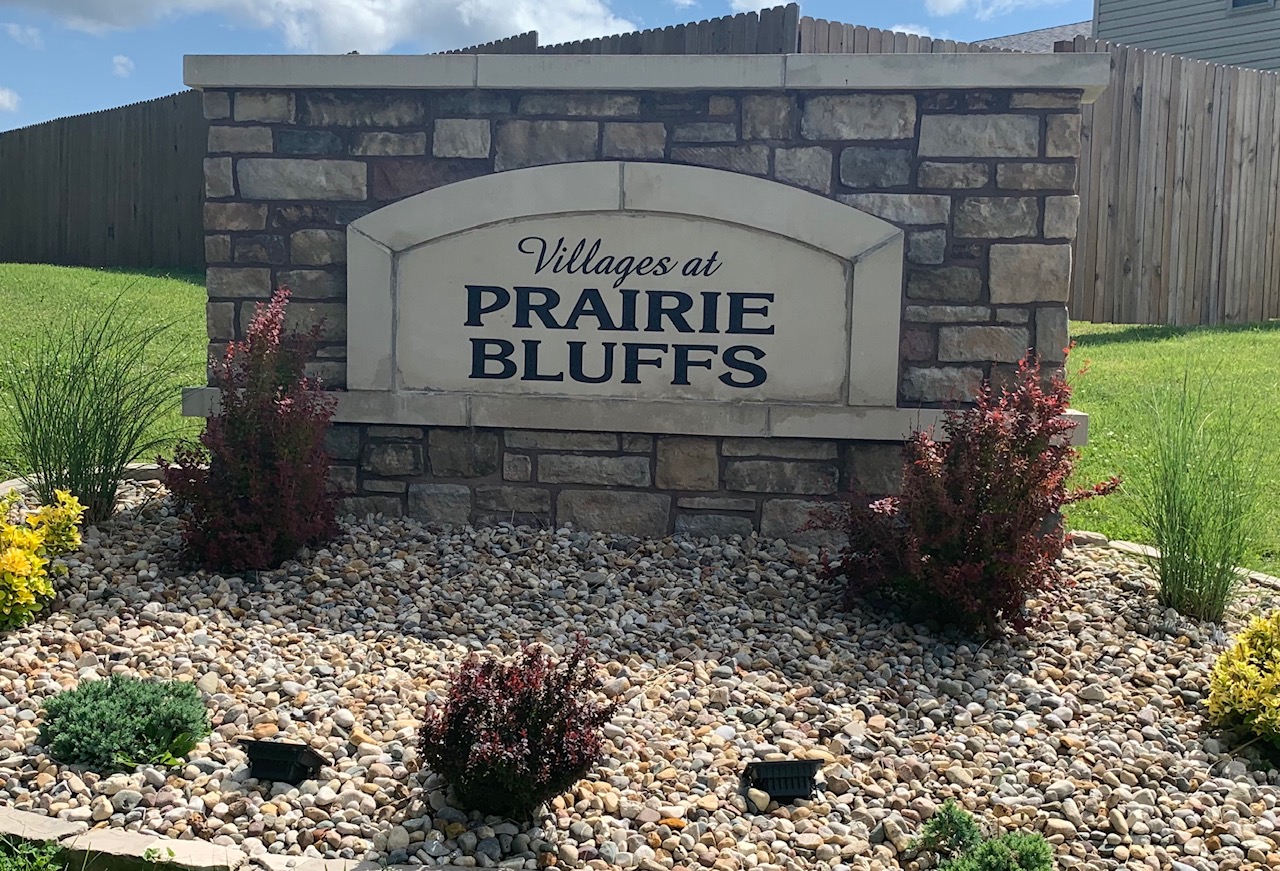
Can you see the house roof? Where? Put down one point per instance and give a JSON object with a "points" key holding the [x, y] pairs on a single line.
{"points": [[1040, 40]]}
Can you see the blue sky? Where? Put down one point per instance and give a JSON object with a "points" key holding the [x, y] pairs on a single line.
{"points": [[65, 57]]}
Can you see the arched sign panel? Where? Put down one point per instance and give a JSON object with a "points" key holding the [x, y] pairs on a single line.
{"points": [[626, 281]]}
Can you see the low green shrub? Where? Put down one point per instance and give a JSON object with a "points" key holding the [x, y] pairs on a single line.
{"points": [[85, 399], [123, 722], [1194, 495], [1244, 686], [950, 832], [1014, 851], [954, 837], [19, 855]]}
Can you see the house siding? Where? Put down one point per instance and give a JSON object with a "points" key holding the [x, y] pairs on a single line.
{"points": [[1206, 29]]}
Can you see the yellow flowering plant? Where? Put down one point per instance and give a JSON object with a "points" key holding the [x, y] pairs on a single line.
{"points": [[1244, 687], [27, 549]]}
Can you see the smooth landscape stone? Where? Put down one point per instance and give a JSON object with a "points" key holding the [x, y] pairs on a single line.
{"points": [[346, 650]]}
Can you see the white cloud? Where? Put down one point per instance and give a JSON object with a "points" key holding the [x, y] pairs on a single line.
{"points": [[121, 66], [370, 26], [9, 100], [684, 4], [983, 10], [749, 5], [24, 35], [919, 29]]}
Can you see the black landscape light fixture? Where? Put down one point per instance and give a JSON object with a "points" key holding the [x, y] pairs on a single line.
{"points": [[784, 781], [282, 760]]}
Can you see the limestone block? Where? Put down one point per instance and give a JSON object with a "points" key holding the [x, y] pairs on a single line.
{"points": [[716, 503], [265, 106], [285, 178], [644, 514], [217, 105], [534, 143], [806, 167], [942, 384], [634, 443], [463, 453], [309, 142], [218, 179], [331, 318], [220, 321], [445, 504], [238, 283], [996, 217], [876, 467], [462, 137], [561, 441], [239, 140], [945, 284], [315, 284], [362, 109], [1052, 336], [392, 459], [605, 471], [318, 247], [705, 131], [874, 167], [386, 144], [859, 117], [1061, 217], [749, 159], [909, 209], [787, 449], [627, 140], [1062, 136], [767, 116], [600, 105], [520, 500], [980, 136], [947, 314], [517, 467], [263, 248], [361, 506], [688, 464], [342, 442], [781, 476], [36, 827], [1036, 176], [234, 216], [217, 249], [1030, 273], [982, 344], [714, 525], [927, 247], [783, 518], [398, 178], [342, 481], [954, 176]]}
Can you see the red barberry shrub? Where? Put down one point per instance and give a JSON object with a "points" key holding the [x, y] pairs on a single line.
{"points": [[976, 531], [511, 736], [253, 490]]}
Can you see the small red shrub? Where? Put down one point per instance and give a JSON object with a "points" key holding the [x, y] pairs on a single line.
{"points": [[254, 488], [976, 531], [512, 736]]}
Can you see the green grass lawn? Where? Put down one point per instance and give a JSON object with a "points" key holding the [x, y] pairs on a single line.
{"points": [[34, 298], [1123, 364]]}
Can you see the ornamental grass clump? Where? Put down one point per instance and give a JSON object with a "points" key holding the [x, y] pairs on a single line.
{"points": [[1244, 686], [85, 401], [123, 722], [27, 550], [511, 736], [1195, 495], [976, 531], [254, 490]]}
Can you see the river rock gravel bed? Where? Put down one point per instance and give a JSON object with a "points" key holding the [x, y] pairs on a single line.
{"points": [[1090, 729]]}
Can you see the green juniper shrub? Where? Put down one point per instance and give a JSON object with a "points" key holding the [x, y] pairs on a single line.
{"points": [[122, 722], [511, 736], [1196, 498], [950, 832], [976, 532], [1013, 851]]}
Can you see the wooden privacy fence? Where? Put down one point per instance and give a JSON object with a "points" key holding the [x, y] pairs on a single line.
{"points": [[116, 188], [1179, 189]]}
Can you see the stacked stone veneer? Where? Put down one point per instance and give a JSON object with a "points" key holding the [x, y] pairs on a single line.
{"points": [[982, 182]]}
